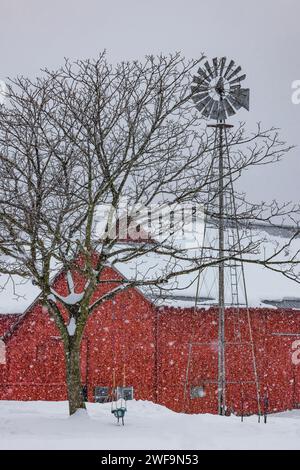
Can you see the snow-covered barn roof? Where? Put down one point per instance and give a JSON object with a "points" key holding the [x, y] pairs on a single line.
{"points": [[16, 294], [264, 287]]}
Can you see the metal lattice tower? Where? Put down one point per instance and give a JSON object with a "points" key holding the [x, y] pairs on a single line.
{"points": [[218, 94]]}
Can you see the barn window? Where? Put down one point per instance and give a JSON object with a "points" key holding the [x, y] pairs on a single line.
{"points": [[126, 393], [197, 392], [101, 394]]}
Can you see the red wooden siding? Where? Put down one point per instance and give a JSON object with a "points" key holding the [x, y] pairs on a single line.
{"points": [[150, 346]]}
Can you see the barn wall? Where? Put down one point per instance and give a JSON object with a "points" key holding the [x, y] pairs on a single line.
{"points": [[119, 337], [188, 357], [149, 348], [35, 360]]}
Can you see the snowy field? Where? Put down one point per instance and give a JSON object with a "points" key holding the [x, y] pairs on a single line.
{"points": [[46, 425]]}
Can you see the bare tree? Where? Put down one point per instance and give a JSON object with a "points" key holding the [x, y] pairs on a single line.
{"points": [[90, 136]]}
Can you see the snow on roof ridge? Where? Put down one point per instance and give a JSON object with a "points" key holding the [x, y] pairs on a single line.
{"points": [[269, 286]]}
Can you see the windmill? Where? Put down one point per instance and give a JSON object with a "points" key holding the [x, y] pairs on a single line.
{"points": [[218, 94], [217, 90]]}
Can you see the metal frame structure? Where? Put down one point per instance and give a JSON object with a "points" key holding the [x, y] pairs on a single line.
{"points": [[218, 94]]}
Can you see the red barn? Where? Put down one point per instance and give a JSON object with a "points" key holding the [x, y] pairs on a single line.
{"points": [[167, 351]]}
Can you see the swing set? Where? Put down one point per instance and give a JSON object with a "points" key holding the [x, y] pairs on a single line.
{"points": [[118, 398], [119, 395]]}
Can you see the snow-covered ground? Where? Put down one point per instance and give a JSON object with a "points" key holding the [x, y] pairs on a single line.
{"points": [[46, 425]]}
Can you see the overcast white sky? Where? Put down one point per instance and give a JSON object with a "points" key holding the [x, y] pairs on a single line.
{"points": [[263, 36]]}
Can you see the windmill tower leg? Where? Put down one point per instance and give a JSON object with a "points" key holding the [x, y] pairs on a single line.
{"points": [[221, 332]]}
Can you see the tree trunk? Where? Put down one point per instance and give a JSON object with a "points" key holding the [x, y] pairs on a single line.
{"points": [[74, 386]]}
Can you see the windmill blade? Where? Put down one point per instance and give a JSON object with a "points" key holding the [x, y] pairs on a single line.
{"points": [[207, 110], [203, 74], [198, 80], [199, 89], [235, 72], [200, 106], [199, 97], [216, 66], [214, 111], [238, 79], [194, 88], [209, 70], [231, 64], [242, 96], [223, 62], [229, 109]]}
